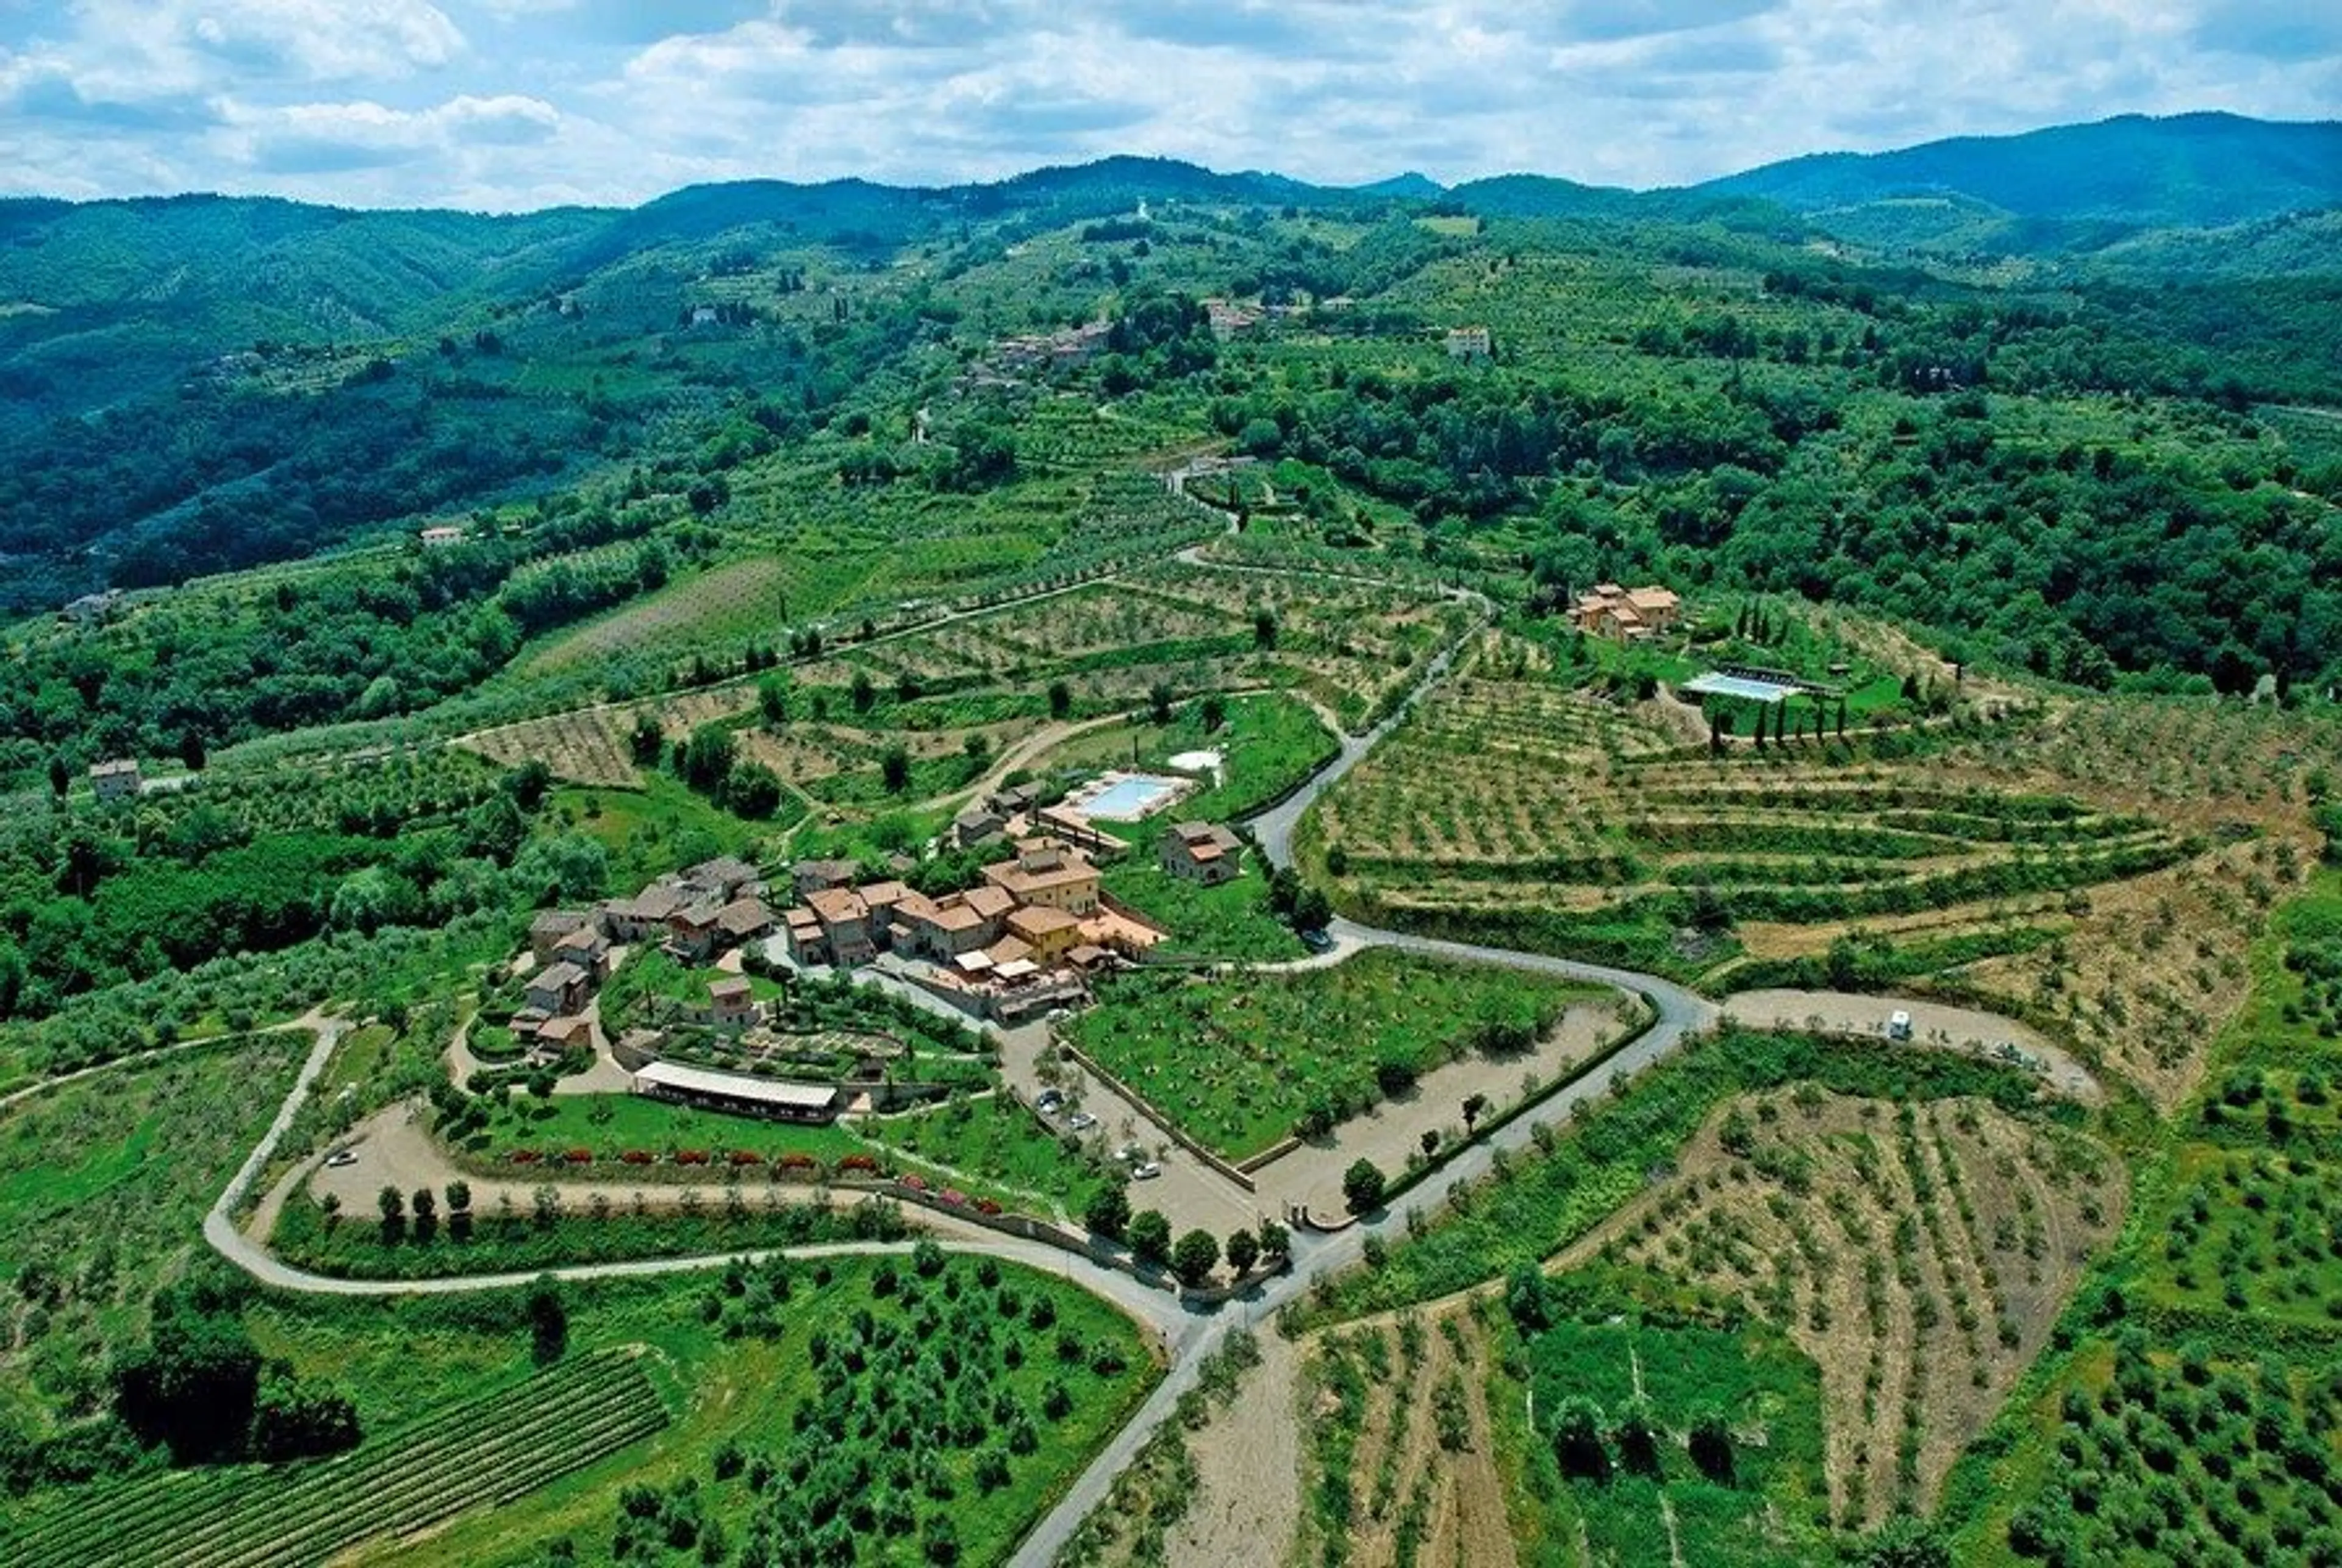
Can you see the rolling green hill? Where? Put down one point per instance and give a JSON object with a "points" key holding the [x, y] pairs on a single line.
{"points": [[2186, 171]]}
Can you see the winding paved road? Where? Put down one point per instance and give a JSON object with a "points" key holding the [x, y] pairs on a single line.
{"points": [[1185, 1332]]}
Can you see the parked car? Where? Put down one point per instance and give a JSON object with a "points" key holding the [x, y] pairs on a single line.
{"points": [[340, 1157], [1049, 1101], [1317, 941], [1145, 1171], [1081, 1121]]}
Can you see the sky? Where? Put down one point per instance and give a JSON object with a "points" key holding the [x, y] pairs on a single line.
{"points": [[512, 104]]}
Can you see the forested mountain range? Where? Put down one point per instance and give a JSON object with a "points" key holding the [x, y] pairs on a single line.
{"points": [[2088, 461]]}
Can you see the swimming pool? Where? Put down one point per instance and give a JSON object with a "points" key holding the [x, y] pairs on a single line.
{"points": [[1128, 799]]}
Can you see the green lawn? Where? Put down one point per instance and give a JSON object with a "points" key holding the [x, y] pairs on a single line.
{"points": [[1769, 1392], [989, 1147], [1241, 1060], [104, 1185], [1232, 921], [655, 829], [611, 1124]]}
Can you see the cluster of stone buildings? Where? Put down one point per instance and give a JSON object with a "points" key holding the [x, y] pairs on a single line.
{"points": [[694, 915], [1025, 936]]}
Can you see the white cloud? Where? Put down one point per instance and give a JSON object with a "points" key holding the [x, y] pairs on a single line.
{"points": [[512, 103]]}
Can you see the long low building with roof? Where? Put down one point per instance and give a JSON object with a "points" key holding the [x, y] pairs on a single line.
{"points": [[737, 1092]]}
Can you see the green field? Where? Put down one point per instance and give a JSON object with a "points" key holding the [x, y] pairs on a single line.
{"points": [[1241, 1060], [714, 1398], [104, 1185], [1766, 1509], [1231, 922]]}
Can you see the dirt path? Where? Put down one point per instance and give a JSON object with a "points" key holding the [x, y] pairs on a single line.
{"points": [[1247, 1498], [1934, 1026]]}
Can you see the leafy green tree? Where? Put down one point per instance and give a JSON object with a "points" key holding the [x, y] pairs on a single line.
{"points": [[1637, 1435], [392, 1203], [191, 1387], [1061, 700], [1109, 1212], [1711, 1446], [545, 1312], [753, 790], [1577, 1441], [646, 740], [862, 694], [1214, 712], [1264, 628], [772, 699], [895, 769], [707, 758], [300, 1418], [528, 784], [1904, 1542], [1158, 702], [192, 753], [1275, 1241], [1311, 909], [1528, 1298], [1242, 1249], [1194, 1257], [1149, 1235], [1362, 1186]]}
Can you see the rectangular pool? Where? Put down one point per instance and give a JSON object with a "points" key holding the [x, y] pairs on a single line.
{"points": [[1128, 799]]}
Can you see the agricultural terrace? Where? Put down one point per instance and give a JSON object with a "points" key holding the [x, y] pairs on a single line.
{"points": [[1704, 1443], [104, 1184], [2210, 1386], [1348, 646], [1919, 1253], [2248, 1220], [481, 1453], [1245, 1059], [1515, 805], [892, 554], [592, 745], [721, 1408], [2146, 971]]}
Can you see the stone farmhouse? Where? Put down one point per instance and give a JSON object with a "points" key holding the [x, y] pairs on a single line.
{"points": [[1201, 853], [1626, 615]]}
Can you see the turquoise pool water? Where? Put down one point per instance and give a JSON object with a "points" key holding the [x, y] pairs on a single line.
{"points": [[1127, 800]]}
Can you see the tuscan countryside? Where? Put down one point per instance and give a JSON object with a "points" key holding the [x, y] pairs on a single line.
{"points": [[1369, 785]]}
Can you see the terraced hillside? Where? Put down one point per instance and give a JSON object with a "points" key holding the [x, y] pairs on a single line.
{"points": [[1918, 1253], [1515, 802]]}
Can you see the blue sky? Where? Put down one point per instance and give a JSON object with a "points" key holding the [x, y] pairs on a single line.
{"points": [[515, 103]]}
